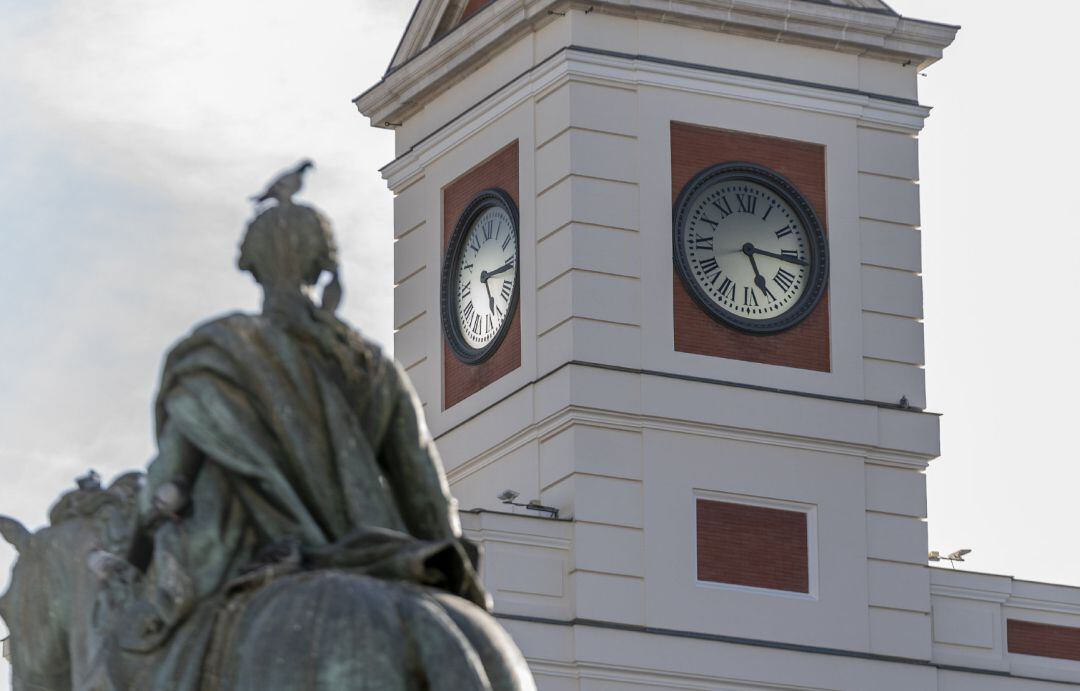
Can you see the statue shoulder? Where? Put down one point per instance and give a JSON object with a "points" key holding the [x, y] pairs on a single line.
{"points": [[218, 329], [368, 350], [232, 322]]}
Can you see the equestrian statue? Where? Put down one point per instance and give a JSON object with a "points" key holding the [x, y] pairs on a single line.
{"points": [[295, 530]]}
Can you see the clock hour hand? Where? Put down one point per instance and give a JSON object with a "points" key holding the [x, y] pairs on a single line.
{"points": [[485, 275], [774, 255], [759, 280], [491, 300]]}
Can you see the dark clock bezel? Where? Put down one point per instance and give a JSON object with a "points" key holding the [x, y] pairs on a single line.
{"points": [[818, 246], [483, 201]]}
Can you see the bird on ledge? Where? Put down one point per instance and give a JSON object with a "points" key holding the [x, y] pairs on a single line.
{"points": [[286, 185]]}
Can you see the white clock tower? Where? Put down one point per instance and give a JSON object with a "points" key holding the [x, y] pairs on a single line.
{"points": [[703, 345]]}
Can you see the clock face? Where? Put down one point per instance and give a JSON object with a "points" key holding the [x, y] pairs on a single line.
{"points": [[480, 276], [750, 248]]}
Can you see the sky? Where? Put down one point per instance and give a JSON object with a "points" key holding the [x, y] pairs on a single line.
{"points": [[133, 131]]}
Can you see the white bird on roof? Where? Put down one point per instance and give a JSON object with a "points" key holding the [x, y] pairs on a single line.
{"points": [[286, 185]]}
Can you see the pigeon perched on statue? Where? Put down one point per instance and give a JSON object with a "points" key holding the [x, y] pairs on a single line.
{"points": [[286, 185]]}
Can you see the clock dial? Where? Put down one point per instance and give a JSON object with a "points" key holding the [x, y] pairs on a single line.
{"points": [[486, 274], [481, 276], [750, 248]]}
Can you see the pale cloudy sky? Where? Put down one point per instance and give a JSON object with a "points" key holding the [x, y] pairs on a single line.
{"points": [[132, 131]]}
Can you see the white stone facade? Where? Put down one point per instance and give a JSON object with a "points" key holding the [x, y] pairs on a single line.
{"points": [[607, 422]]}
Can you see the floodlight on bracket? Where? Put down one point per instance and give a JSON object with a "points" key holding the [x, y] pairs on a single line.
{"points": [[508, 497], [954, 558]]}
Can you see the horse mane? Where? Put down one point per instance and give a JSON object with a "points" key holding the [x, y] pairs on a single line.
{"points": [[89, 502]]}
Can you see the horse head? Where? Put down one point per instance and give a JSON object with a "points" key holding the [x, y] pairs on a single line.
{"points": [[17, 536], [51, 581], [38, 643], [15, 533]]}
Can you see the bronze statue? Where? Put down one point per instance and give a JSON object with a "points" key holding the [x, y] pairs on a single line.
{"points": [[295, 531]]}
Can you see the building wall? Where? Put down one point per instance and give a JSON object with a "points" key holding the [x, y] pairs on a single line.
{"points": [[624, 451], [529, 567], [608, 421]]}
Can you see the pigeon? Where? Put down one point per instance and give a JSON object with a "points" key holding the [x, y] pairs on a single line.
{"points": [[286, 185], [90, 481]]}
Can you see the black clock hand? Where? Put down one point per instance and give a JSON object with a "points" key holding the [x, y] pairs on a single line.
{"points": [[485, 275], [781, 257], [759, 280], [491, 300]]}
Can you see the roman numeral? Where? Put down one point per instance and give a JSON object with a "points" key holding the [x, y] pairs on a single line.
{"points": [[476, 324], [466, 290], [747, 203], [506, 242], [749, 298], [468, 313], [507, 290], [709, 265], [767, 212], [488, 325], [703, 243], [488, 229], [725, 207], [474, 243], [784, 279], [466, 267], [790, 255], [783, 232], [727, 289], [770, 296]]}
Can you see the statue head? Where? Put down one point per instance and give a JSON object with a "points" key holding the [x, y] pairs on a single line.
{"points": [[287, 248]]}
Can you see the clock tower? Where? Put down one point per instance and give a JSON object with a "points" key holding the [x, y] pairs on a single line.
{"points": [[657, 267]]}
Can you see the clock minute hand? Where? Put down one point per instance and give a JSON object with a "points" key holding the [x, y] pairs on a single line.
{"points": [[485, 275], [781, 257]]}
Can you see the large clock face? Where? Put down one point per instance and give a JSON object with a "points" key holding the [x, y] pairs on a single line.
{"points": [[480, 276], [749, 248]]}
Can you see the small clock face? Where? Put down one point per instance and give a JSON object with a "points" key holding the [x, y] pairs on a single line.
{"points": [[480, 276], [750, 248]]}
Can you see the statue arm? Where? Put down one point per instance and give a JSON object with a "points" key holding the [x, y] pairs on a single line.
{"points": [[415, 471], [165, 489], [177, 463]]}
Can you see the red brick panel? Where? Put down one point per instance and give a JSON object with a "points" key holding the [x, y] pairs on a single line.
{"points": [[459, 379], [1043, 640], [473, 7], [752, 546], [695, 148]]}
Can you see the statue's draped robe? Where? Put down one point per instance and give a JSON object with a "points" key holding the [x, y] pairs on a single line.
{"points": [[312, 446]]}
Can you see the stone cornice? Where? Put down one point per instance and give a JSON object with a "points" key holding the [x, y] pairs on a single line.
{"points": [[442, 63], [577, 415], [574, 63], [854, 30]]}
